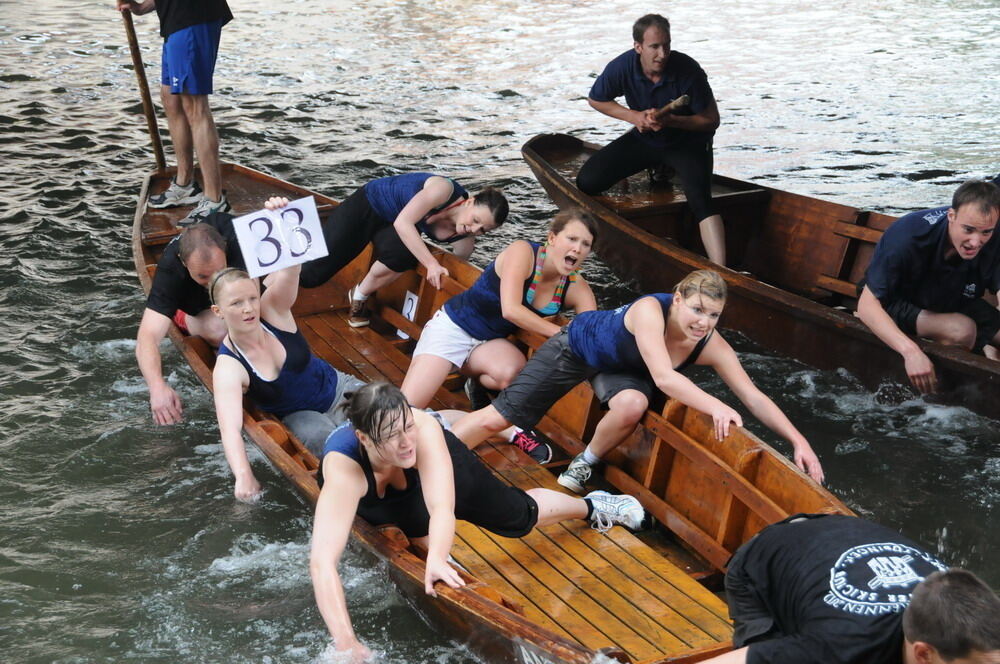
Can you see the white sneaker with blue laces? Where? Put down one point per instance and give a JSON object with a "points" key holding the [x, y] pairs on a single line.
{"points": [[609, 510]]}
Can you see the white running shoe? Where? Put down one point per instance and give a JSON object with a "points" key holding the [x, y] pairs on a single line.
{"points": [[176, 196], [609, 510], [205, 208]]}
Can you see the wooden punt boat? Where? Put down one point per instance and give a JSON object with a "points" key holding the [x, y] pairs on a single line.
{"points": [[564, 593], [795, 264]]}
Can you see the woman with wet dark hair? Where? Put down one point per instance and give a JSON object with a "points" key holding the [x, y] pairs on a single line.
{"points": [[391, 463]]}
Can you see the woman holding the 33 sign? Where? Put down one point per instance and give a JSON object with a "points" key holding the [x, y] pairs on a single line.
{"points": [[265, 355], [391, 213]]}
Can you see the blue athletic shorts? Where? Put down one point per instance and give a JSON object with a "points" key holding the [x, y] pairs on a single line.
{"points": [[189, 58]]}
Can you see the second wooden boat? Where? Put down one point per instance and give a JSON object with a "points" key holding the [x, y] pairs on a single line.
{"points": [[564, 593], [795, 263]]}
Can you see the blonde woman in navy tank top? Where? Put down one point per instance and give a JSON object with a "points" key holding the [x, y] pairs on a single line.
{"points": [[628, 353]]}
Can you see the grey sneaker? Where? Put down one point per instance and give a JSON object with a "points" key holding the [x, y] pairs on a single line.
{"points": [[609, 510], [176, 196], [576, 474], [361, 315], [205, 208]]}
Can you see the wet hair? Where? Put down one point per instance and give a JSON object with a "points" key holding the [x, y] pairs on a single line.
{"points": [[702, 282], [645, 23], [495, 202], [977, 192], [574, 214], [197, 239], [226, 275], [955, 612], [376, 409]]}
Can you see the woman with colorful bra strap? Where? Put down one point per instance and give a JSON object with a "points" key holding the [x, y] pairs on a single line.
{"points": [[524, 284]]}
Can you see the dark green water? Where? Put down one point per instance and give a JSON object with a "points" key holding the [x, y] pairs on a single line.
{"points": [[120, 540]]}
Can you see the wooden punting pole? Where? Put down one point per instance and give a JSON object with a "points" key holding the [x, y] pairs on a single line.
{"points": [[147, 100]]}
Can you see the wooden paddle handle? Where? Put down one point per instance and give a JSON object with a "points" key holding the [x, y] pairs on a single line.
{"points": [[147, 101], [674, 105]]}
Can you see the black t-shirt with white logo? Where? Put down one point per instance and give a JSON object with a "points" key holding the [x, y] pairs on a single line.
{"points": [[173, 288], [835, 587]]}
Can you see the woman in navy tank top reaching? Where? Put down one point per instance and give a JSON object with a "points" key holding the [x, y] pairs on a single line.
{"points": [[626, 353], [392, 213], [524, 284], [392, 463], [265, 356]]}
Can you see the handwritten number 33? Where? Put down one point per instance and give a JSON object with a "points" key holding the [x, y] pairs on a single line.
{"points": [[276, 243]]}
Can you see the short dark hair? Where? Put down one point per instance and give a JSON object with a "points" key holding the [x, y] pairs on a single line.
{"points": [[574, 214], [977, 192], [198, 238], [375, 409], [496, 202], [645, 23], [955, 612]]}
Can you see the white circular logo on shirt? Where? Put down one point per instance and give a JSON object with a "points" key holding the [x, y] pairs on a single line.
{"points": [[873, 579]]}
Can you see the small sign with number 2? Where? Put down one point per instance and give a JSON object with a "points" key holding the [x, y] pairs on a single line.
{"points": [[274, 239]]}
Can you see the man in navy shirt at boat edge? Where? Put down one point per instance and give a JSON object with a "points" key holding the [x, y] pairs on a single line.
{"points": [[927, 278], [650, 76]]}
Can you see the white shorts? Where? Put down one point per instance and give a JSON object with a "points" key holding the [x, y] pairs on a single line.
{"points": [[443, 338]]}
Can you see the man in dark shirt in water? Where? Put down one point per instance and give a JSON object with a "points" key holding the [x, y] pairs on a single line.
{"points": [[927, 278], [836, 589]]}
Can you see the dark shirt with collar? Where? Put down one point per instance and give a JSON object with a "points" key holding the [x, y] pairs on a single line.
{"points": [[173, 288], [909, 264], [682, 76]]}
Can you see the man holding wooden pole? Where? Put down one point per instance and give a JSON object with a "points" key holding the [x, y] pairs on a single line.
{"points": [[674, 114], [191, 30]]}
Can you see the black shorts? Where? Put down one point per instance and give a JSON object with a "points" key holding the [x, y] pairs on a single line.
{"points": [[480, 498], [983, 314], [630, 153], [550, 374]]}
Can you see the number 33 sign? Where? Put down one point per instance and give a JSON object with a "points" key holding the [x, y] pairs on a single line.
{"points": [[274, 239]]}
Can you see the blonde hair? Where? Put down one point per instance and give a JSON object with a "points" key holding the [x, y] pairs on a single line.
{"points": [[702, 282], [224, 276]]}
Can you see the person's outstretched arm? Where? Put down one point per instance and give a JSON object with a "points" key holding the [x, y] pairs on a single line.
{"points": [[335, 510], [720, 356]]}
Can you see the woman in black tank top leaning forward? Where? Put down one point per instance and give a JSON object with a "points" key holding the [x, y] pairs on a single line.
{"points": [[392, 463], [524, 285], [626, 353]]}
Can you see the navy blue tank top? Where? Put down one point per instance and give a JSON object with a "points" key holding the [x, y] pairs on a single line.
{"points": [[305, 382], [478, 310], [388, 196], [375, 509], [601, 340]]}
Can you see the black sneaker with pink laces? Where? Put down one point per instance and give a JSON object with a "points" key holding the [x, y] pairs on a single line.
{"points": [[528, 442]]}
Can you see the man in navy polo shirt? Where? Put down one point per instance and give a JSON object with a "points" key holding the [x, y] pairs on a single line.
{"points": [[650, 75], [191, 30], [927, 278]]}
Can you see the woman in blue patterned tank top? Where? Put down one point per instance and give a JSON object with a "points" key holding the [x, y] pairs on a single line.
{"points": [[524, 284]]}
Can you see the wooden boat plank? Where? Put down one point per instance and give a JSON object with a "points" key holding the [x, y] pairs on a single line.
{"points": [[677, 599], [565, 583], [470, 559], [563, 613]]}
